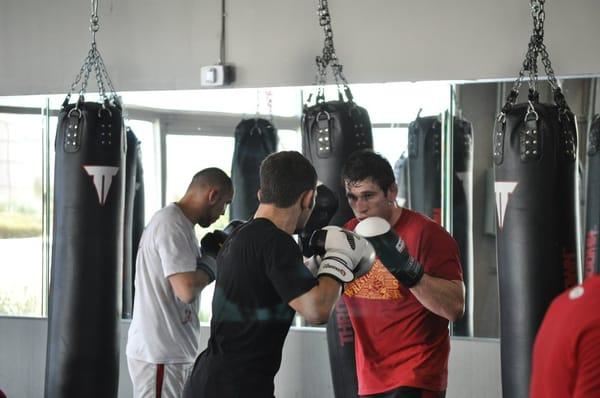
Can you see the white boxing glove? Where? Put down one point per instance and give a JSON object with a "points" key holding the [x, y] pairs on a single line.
{"points": [[344, 254]]}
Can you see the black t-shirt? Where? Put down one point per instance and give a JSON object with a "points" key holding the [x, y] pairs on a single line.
{"points": [[260, 270]]}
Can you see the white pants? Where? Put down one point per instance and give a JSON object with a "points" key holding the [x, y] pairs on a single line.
{"points": [[152, 380]]}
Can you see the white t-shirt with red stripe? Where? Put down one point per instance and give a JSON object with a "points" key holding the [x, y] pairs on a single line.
{"points": [[163, 328]]}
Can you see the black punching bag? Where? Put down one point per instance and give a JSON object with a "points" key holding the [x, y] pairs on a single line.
{"points": [[534, 156], [331, 131], [255, 139], [425, 191], [462, 220], [131, 232], [592, 213], [424, 167], [82, 357]]}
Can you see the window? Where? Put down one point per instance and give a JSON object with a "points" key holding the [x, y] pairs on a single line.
{"points": [[186, 155], [22, 285]]}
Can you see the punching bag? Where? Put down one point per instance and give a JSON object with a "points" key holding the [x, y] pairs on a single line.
{"points": [[401, 177], [82, 357], [462, 220], [131, 229], [425, 191], [255, 139], [592, 213], [534, 156], [331, 131], [425, 167]]}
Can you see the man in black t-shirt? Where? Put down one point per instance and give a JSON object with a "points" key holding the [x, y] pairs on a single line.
{"points": [[262, 281]]}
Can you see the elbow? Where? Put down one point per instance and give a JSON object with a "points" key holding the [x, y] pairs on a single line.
{"points": [[185, 297], [457, 312], [318, 316]]}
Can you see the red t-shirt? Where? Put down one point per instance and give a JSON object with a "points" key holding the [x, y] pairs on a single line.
{"points": [[566, 353], [398, 341]]}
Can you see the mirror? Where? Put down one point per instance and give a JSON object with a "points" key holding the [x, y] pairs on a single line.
{"points": [[176, 128]]}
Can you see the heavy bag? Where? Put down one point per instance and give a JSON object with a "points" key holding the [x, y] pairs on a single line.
{"points": [[342, 359], [534, 156], [331, 131], [255, 139], [82, 357], [139, 216], [424, 166], [462, 220], [592, 213], [133, 185], [401, 177]]}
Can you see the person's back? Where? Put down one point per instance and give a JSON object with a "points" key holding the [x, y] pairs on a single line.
{"points": [[566, 355], [258, 276]]}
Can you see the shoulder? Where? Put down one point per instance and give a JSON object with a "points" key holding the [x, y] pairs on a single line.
{"points": [[421, 224]]}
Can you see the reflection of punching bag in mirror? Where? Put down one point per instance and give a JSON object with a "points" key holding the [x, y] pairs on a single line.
{"points": [[255, 139], [401, 175], [592, 213], [133, 220], [423, 166], [331, 132]]}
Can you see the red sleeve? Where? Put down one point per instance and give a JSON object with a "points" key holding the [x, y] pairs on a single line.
{"points": [[587, 381], [438, 253]]}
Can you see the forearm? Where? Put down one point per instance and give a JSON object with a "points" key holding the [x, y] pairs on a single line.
{"points": [[316, 304], [442, 297], [188, 285]]}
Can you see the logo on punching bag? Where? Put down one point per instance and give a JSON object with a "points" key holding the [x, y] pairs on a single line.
{"points": [[503, 190], [102, 178]]}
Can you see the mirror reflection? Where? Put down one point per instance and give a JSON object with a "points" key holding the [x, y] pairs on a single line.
{"points": [[180, 131]]}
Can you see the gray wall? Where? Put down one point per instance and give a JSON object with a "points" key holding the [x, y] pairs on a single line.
{"points": [[157, 44], [474, 364]]}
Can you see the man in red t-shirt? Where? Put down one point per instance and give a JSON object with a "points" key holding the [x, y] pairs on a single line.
{"points": [[400, 318], [566, 353]]}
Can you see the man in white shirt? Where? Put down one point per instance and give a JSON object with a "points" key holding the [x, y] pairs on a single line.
{"points": [[170, 274]]}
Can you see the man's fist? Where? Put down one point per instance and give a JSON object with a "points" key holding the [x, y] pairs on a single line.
{"points": [[391, 250], [344, 254], [211, 244]]}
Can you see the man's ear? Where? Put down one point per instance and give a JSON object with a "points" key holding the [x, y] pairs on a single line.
{"points": [[258, 195], [392, 192], [308, 199], [213, 195]]}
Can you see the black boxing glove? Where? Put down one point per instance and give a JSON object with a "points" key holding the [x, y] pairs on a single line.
{"points": [[326, 204], [211, 244], [391, 250]]}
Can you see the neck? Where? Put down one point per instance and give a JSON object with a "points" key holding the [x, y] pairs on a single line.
{"points": [[395, 214], [284, 219], [188, 209]]}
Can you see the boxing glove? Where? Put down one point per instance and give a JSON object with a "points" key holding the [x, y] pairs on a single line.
{"points": [[344, 254], [326, 204], [391, 250], [210, 245]]}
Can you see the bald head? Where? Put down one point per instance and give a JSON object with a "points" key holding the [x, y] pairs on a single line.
{"points": [[211, 177], [207, 196]]}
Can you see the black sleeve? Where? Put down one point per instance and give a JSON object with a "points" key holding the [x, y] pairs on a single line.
{"points": [[286, 270]]}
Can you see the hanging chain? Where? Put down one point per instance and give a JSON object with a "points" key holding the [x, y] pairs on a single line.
{"points": [[536, 48], [328, 58], [93, 61]]}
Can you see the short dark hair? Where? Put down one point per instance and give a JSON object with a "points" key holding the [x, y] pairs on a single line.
{"points": [[284, 176], [364, 164], [213, 177]]}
